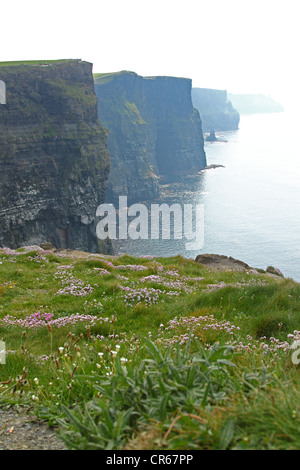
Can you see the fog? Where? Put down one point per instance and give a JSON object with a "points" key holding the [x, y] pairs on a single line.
{"points": [[239, 45]]}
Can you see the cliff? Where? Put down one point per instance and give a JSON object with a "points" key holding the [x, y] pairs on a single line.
{"points": [[216, 112], [54, 160], [255, 103], [154, 132]]}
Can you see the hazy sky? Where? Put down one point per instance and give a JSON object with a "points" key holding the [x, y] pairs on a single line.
{"points": [[240, 45]]}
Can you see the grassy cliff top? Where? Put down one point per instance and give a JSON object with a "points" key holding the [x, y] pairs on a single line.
{"points": [[150, 353], [35, 62], [103, 78]]}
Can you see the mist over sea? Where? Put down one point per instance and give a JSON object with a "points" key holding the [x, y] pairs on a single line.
{"points": [[251, 204]]}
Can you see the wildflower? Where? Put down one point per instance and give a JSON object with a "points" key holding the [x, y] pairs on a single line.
{"points": [[114, 353], [36, 380], [123, 359]]}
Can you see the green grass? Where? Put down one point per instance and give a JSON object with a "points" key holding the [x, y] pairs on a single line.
{"points": [[31, 62], [161, 354], [103, 78]]}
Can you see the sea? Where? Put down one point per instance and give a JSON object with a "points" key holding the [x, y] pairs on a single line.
{"points": [[250, 199]]}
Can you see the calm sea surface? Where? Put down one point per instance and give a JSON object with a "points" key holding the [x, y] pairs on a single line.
{"points": [[251, 204]]}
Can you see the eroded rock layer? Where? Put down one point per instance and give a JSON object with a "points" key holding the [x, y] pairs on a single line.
{"points": [[154, 132], [54, 161]]}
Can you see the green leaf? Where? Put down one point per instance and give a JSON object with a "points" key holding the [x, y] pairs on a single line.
{"points": [[154, 351], [204, 399], [75, 422], [226, 434], [191, 376], [163, 407]]}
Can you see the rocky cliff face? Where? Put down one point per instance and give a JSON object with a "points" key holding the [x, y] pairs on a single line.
{"points": [[154, 132], [54, 161], [216, 112]]}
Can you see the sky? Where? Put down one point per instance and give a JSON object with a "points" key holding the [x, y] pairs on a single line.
{"points": [[243, 46]]}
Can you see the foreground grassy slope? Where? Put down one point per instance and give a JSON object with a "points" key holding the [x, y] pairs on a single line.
{"points": [[156, 353]]}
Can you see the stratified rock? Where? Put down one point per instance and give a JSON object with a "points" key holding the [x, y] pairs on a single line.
{"points": [[154, 132], [54, 161]]}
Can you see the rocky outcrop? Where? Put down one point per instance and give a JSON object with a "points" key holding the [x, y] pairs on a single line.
{"points": [[154, 132], [54, 160], [222, 263], [216, 112], [212, 137], [219, 263]]}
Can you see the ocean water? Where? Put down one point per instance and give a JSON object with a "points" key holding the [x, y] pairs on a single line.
{"points": [[251, 204]]}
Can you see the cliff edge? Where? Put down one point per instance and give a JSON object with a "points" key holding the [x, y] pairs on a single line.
{"points": [[216, 111], [154, 132], [54, 160]]}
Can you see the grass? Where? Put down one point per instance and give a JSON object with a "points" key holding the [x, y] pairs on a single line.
{"points": [[32, 62], [104, 78], [150, 353]]}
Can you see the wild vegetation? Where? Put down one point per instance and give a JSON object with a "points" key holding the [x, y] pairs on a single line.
{"points": [[31, 62], [150, 353]]}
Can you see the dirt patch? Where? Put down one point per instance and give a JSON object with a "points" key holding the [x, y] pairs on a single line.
{"points": [[19, 431]]}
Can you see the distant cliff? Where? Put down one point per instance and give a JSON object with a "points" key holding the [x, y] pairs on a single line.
{"points": [[216, 112], [251, 103], [54, 161], [154, 131]]}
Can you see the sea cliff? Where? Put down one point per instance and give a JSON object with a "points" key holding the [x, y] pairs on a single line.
{"points": [[155, 133], [216, 111], [54, 160]]}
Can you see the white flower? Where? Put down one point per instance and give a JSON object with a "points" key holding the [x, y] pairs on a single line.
{"points": [[36, 381]]}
